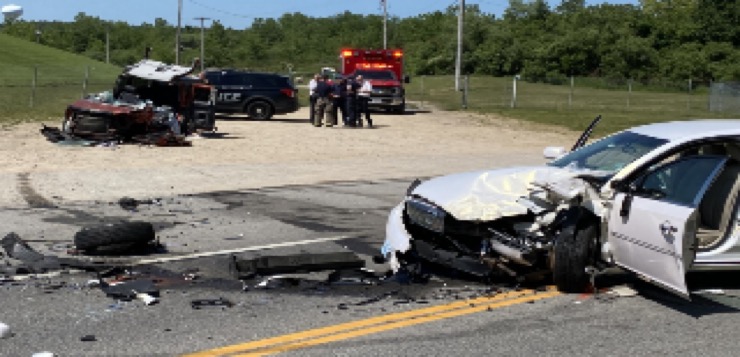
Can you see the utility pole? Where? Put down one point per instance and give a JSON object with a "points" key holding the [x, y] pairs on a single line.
{"points": [[385, 23], [202, 47], [458, 60], [177, 33], [107, 44]]}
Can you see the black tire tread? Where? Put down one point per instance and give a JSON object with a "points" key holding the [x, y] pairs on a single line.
{"points": [[573, 252], [268, 109], [114, 234]]}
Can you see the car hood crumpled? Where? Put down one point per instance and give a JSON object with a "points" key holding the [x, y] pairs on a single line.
{"points": [[485, 195]]}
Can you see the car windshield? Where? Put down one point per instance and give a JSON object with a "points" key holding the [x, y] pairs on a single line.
{"points": [[381, 75], [611, 153]]}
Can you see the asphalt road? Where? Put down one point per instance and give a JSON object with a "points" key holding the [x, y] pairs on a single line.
{"points": [[54, 313]]}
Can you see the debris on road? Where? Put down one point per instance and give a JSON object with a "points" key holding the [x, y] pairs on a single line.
{"points": [[5, 331], [88, 338], [29, 261], [303, 262], [131, 204], [128, 290], [115, 238], [208, 303], [622, 291], [43, 354]]}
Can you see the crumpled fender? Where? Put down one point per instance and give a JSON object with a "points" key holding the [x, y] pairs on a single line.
{"points": [[397, 239]]}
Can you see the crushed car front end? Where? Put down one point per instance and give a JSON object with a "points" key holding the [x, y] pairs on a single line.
{"points": [[511, 220]]}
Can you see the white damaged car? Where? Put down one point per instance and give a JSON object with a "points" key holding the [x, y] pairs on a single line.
{"points": [[658, 200]]}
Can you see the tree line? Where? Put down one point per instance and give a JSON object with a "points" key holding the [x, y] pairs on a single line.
{"points": [[655, 40]]}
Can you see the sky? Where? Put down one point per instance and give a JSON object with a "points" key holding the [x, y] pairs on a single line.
{"points": [[238, 14]]}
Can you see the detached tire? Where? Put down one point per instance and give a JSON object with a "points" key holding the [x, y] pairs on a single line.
{"points": [[574, 250], [259, 110], [114, 236]]}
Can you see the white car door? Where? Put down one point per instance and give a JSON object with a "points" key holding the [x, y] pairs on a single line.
{"points": [[652, 227]]}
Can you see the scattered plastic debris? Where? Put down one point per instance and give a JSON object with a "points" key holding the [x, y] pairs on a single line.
{"points": [[622, 291]]}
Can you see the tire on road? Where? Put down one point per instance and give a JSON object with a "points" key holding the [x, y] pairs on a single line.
{"points": [[259, 110], [574, 250], [113, 237]]}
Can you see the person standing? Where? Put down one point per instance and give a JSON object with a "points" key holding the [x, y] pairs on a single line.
{"points": [[312, 96], [323, 102], [351, 102], [363, 101], [340, 98]]}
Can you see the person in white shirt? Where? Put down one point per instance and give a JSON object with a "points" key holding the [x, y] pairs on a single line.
{"points": [[363, 97], [312, 95]]}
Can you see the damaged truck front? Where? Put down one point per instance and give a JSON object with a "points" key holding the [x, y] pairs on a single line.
{"points": [[572, 215], [148, 97]]}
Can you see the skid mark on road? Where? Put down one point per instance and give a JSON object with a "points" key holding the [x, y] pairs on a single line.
{"points": [[377, 324], [30, 195]]}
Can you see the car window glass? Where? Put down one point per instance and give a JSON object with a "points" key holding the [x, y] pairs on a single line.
{"points": [[681, 181], [233, 79], [611, 153], [213, 77]]}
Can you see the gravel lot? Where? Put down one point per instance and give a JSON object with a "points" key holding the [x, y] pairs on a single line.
{"points": [[251, 154]]}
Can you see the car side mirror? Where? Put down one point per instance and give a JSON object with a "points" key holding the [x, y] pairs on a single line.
{"points": [[406, 79], [554, 152]]}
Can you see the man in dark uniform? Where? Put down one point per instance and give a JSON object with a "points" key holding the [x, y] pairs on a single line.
{"points": [[351, 102], [323, 101], [340, 98]]}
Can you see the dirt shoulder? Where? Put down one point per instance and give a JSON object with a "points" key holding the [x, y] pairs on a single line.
{"points": [[250, 154]]}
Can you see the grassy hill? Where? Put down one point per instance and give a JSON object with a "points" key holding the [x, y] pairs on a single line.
{"points": [[61, 77]]}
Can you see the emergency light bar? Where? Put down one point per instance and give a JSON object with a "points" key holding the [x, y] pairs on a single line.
{"points": [[388, 53]]}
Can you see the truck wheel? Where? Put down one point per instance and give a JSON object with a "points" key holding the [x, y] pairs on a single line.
{"points": [[259, 110], [114, 236], [401, 109], [574, 250]]}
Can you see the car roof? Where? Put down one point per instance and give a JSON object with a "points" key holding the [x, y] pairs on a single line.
{"points": [[157, 71], [690, 129]]}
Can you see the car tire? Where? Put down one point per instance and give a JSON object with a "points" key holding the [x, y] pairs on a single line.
{"points": [[574, 250], [114, 236], [259, 110]]}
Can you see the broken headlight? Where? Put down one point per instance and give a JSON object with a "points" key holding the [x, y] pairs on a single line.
{"points": [[426, 215]]}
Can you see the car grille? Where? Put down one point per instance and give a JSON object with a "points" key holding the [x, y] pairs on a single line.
{"points": [[384, 91]]}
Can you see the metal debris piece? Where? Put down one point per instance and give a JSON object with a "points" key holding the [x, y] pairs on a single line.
{"points": [[206, 303], [274, 282], [295, 263], [5, 331], [88, 338], [129, 289]]}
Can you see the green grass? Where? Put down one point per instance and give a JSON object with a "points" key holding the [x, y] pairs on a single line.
{"points": [[555, 105], [59, 80]]}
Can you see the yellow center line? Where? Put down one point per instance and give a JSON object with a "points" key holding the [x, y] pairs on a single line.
{"points": [[396, 320], [398, 324]]}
